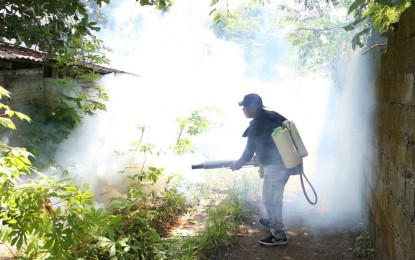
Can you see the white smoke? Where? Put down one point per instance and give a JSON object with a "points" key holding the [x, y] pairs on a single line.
{"points": [[183, 66], [342, 155]]}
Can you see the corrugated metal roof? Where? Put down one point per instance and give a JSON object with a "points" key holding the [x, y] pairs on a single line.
{"points": [[11, 52]]}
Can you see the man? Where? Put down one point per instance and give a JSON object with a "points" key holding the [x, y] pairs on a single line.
{"points": [[272, 168]]}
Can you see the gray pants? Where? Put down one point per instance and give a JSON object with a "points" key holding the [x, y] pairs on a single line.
{"points": [[275, 178]]}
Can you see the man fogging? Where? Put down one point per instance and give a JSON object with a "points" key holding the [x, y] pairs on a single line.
{"points": [[272, 169], [273, 144]]}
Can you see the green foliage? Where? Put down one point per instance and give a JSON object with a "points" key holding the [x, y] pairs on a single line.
{"points": [[49, 219], [364, 246], [314, 31], [142, 219], [237, 25], [220, 230], [46, 218], [162, 5], [52, 25], [377, 14], [64, 29], [383, 14], [75, 95], [48, 24], [7, 122], [257, 36], [313, 28], [222, 226], [197, 123], [14, 163]]}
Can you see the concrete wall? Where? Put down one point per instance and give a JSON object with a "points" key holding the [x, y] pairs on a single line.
{"points": [[23, 84], [390, 185]]}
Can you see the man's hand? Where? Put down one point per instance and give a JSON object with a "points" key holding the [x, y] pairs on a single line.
{"points": [[234, 167]]}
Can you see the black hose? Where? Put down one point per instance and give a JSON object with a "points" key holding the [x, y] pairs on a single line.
{"points": [[309, 183]]}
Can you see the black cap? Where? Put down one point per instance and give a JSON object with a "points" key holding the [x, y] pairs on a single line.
{"points": [[251, 100]]}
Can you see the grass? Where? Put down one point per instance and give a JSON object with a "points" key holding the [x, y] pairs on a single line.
{"points": [[226, 209]]}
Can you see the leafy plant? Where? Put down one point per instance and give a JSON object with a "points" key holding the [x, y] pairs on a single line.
{"points": [[75, 95], [197, 123], [220, 230], [51, 219], [315, 32], [5, 117], [379, 14], [143, 218], [364, 246], [224, 210], [140, 218], [47, 24], [258, 37], [45, 218]]}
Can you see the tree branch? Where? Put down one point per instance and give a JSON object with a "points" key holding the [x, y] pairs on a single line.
{"points": [[317, 29], [374, 46]]}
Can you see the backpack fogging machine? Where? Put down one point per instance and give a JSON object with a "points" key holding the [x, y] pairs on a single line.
{"points": [[292, 151]]}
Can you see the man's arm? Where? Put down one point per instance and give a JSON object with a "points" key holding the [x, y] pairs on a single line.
{"points": [[247, 155]]}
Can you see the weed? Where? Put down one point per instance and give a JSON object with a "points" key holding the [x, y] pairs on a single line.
{"points": [[364, 246], [224, 201]]}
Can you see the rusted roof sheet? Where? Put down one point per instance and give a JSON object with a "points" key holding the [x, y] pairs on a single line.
{"points": [[11, 52], [18, 53]]}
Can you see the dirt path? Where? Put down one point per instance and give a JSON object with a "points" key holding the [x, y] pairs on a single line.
{"points": [[324, 241], [303, 243]]}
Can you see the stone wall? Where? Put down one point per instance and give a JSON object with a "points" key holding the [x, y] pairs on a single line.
{"points": [[390, 185]]}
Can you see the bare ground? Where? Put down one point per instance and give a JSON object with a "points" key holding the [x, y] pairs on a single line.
{"points": [[329, 239], [303, 243]]}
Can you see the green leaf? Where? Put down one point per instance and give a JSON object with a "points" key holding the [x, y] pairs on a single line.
{"points": [[145, 2], [113, 250], [19, 243], [352, 25], [31, 247], [8, 123], [211, 12], [213, 2], [355, 5], [123, 242], [71, 189], [4, 92], [217, 19], [4, 233], [49, 243], [22, 116]]}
